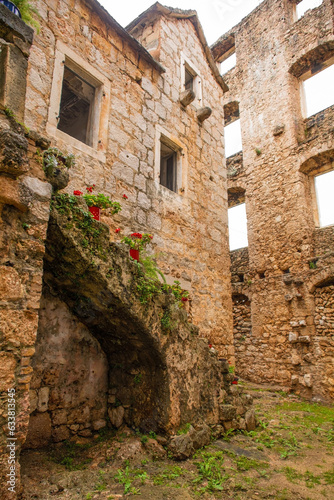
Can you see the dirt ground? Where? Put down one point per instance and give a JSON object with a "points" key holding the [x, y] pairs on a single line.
{"points": [[289, 456]]}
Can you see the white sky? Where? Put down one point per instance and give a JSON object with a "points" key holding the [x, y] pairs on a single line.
{"points": [[216, 16], [237, 227], [232, 137]]}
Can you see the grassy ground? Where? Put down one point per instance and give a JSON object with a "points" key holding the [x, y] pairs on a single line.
{"points": [[288, 457]]}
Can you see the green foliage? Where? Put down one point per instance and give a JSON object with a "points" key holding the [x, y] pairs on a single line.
{"points": [[210, 472], [258, 151], [184, 429], [312, 264], [138, 378], [27, 13], [231, 369], [144, 439], [137, 241], [9, 112], [25, 225], [54, 158], [150, 267], [102, 201], [152, 435]]}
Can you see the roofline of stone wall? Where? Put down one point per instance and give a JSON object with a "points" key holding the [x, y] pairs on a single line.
{"points": [[218, 46], [105, 16], [170, 12]]}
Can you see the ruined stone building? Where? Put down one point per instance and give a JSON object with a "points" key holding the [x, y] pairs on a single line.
{"points": [[143, 110]]}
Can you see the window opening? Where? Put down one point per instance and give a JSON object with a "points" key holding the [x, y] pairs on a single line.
{"points": [[168, 167], [318, 91], [228, 63], [306, 5], [324, 188], [233, 143], [76, 107], [189, 80], [237, 227]]}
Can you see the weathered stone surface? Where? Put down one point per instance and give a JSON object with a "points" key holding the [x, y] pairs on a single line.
{"points": [[227, 413], [250, 420], [13, 153], [116, 416], [39, 433]]}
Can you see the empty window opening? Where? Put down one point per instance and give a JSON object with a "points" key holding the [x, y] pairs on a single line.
{"points": [[286, 271], [168, 167], [262, 276], [324, 189], [76, 107], [306, 5], [188, 80], [241, 277], [318, 91], [233, 143], [237, 227], [228, 63]]}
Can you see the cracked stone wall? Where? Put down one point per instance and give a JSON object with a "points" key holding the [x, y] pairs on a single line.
{"points": [[288, 254]]}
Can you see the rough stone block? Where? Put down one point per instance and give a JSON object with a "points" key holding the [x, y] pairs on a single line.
{"points": [[227, 413], [39, 432]]}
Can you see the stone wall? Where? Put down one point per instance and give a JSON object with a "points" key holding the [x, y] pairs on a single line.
{"points": [[69, 386], [141, 102], [282, 151]]}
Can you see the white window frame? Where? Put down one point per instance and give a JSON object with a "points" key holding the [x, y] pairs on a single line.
{"points": [[186, 64], [100, 110], [163, 135], [298, 16]]}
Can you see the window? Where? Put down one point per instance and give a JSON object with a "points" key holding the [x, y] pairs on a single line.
{"points": [[324, 189], [168, 167], [233, 142], [76, 107], [318, 91], [305, 5], [191, 80], [79, 103], [237, 227], [228, 63]]}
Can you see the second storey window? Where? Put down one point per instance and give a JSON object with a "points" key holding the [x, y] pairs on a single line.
{"points": [[232, 133], [168, 167], [318, 93], [306, 5], [76, 107]]}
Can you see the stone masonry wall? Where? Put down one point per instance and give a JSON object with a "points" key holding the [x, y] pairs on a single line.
{"points": [[288, 254], [69, 386], [189, 227]]}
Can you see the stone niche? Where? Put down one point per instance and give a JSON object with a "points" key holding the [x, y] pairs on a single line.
{"points": [[68, 393]]}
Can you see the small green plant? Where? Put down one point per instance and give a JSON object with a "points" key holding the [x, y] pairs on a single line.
{"points": [[25, 225], [27, 12], [258, 151], [99, 200], [137, 241], [9, 112], [184, 429], [54, 158], [231, 368], [137, 378], [312, 264], [144, 439], [152, 435]]}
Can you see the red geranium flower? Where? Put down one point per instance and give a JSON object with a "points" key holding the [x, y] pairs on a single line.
{"points": [[90, 189], [210, 346], [117, 230], [125, 197], [77, 193], [137, 235], [184, 299]]}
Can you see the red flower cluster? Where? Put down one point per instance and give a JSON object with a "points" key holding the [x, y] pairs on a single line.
{"points": [[117, 230], [184, 299], [137, 235], [77, 193], [125, 197], [90, 188]]}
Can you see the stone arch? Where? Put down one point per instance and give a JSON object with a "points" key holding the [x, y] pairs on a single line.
{"points": [[316, 161], [231, 112]]}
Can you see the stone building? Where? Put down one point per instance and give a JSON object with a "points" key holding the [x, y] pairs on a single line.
{"points": [[144, 110], [282, 283]]}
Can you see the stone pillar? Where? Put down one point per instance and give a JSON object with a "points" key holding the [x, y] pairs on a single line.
{"points": [[24, 213], [15, 41]]}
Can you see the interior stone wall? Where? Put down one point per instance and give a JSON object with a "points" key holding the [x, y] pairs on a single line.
{"points": [[69, 386]]}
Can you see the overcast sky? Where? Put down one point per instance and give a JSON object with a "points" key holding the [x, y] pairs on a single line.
{"points": [[216, 16]]}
